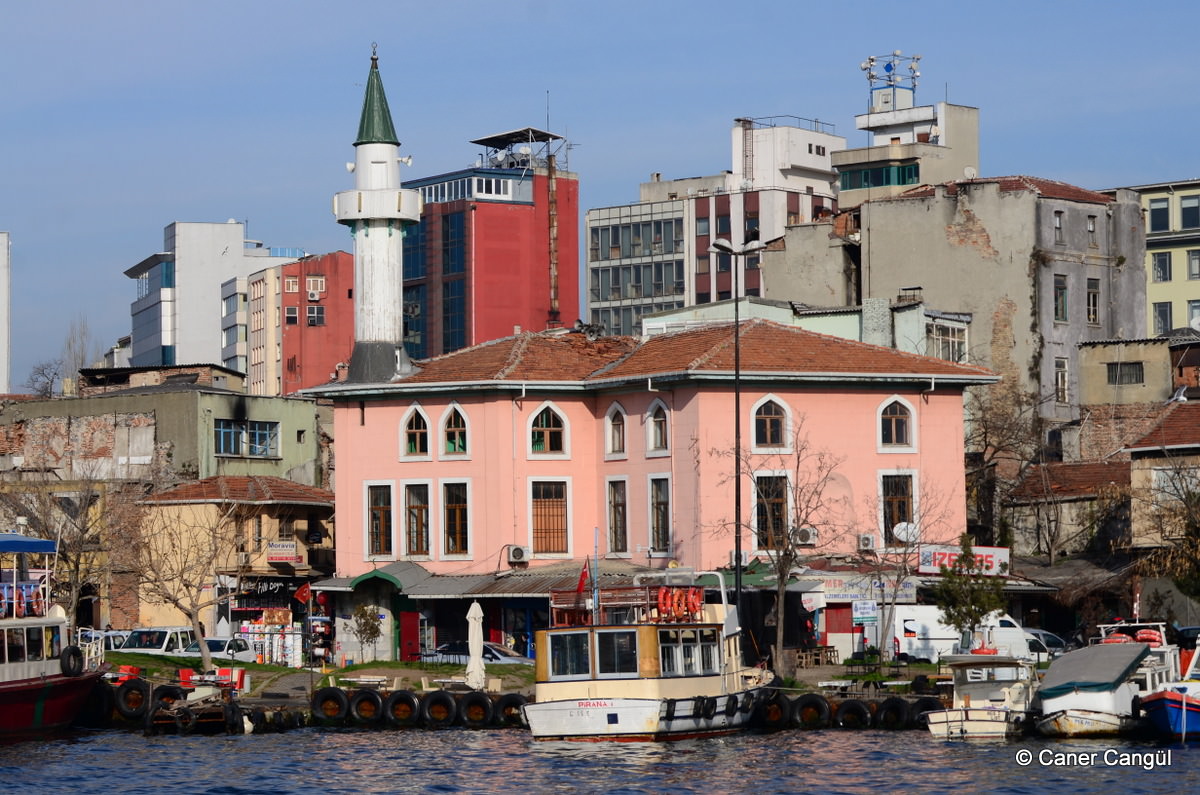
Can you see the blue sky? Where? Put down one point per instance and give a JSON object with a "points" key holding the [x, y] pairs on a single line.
{"points": [[123, 116]]}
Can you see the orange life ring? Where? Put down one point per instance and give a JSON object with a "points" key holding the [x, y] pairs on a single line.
{"points": [[681, 602], [39, 605], [19, 603], [664, 603], [1117, 637], [982, 650], [695, 600]]}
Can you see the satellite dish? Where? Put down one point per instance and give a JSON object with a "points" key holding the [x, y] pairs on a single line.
{"points": [[970, 173], [906, 533]]}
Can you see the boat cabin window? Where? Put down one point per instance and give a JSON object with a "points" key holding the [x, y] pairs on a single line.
{"points": [[687, 652], [569, 658], [616, 653], [33, 644], [14, 643]]}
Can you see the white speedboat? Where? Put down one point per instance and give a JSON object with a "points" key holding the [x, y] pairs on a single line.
{"points": [[643, 662], [993, 698]]}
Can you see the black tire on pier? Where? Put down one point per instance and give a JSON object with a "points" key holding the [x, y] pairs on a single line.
{"points": [[852, 714], [892, 714], [330, 704], [258, 721], [98, 709], [475, 710], [776, 711], [811, 711], [366, 706], [152, 709], [71, 661], [916, 713], [438, 709], [133, 698], [402, 709], [731, 706], [185, 720], [168, 694], [510, 710], [232, 714]]}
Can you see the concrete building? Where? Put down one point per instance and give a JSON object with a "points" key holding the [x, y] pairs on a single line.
{"points": [[1172, 213], [653, 255], [179, 290], [1039, 265]]}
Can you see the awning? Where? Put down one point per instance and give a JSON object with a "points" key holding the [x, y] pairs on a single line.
{"points": [[15, 542], [335, 584]]}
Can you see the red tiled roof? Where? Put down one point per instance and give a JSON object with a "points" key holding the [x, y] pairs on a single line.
{"points": [[1179, 427], [245, 490], [1083, 479], [1049, 188], [766, 348]]}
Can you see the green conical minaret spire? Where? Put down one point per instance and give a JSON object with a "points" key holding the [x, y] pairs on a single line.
{"points": [[375, 127]]}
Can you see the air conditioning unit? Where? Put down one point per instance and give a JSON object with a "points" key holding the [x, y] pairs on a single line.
{"points": [[314, 295], [519, 554], [243, 558], [866, 542], [806, 536], [741, 560]]}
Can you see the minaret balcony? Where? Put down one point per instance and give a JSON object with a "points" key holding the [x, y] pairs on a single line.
{"points": [[399, 204]]}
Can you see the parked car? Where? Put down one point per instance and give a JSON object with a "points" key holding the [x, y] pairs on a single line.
{"points": [[1053, 642], [223, 649], [493, 653], [159, 640], [113, 638]]}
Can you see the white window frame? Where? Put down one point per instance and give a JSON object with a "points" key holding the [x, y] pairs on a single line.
{"points": [[882, 448], [566, 430], [650, 551], [651, 450], [440, 499], [441, 434], [789, 502], [787, 447], [404, 455], [628, 553], [565, 479], [366, 521], [915, 475], [609, 453], [401, 527]]}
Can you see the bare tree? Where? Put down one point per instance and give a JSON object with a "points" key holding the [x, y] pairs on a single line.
{"points": [[179, 551], [1170, 505], [44, 378]]}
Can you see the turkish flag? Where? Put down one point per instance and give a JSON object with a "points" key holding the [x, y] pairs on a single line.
{"points": [[583, 577], [302, 593]]}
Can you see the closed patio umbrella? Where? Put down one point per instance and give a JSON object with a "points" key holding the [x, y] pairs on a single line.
{"points": [[476, 675]]}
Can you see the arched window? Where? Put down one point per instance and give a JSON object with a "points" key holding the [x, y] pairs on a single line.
{"points": [[547, 432], [416, 435], [659, 432], [894, 430], [769, 424], [616, 432], [456, 433]]}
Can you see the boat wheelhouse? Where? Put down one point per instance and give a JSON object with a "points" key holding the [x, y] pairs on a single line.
{"points": [[643, 662], [993, 698]]}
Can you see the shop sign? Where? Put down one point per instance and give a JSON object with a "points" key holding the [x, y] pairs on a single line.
{"points": [[992, 561], [864, 611], [868, 587], [282, 552]]}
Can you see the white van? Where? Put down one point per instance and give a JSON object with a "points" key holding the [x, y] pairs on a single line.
{"points": [[919, 634], [159, 640], [1001, 632]]}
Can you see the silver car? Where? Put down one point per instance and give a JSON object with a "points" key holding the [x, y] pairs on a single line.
{"points": [[236, 649]]}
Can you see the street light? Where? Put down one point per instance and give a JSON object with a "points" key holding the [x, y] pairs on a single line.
{"points": [[722, 246]]}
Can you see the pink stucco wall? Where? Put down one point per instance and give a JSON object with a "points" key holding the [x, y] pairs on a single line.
{"points": [[498, 469]]}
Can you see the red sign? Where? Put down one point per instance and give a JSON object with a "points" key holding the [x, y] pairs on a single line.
{"points": [[988, 560]]}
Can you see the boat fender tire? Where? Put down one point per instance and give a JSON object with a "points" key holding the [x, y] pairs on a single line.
{"points": [[281, 720], [811, 711], [747, 703], [185, 720], [475, 710], [670, 713], [916, 713], [258, 720], [232, 714], [852, 714], [330, 703], [402, 709], [892, 714], [366, 706], [168, 694], [133, 698], [710, 708], [509, 710], [149, 729], [71, 661], [438, 709], [1135, 708], [776, 711], [731, 706]]}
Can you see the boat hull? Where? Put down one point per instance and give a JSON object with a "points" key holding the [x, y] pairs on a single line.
{"points": [[29, 706], [1173, 715], [1085, 723], [639, 719], [976, 723]]}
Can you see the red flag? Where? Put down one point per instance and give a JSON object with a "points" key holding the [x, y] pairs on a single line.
{"points": [[583, 577], [302, 593]]}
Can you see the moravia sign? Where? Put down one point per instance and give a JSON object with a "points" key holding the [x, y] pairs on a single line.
{"points": [[282, 552], [989, 560]]}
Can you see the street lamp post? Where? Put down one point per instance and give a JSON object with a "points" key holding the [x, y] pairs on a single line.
{"points": [[737, 254]]}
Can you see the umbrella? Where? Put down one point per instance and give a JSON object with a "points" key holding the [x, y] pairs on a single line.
{"points": [[475, 670]]}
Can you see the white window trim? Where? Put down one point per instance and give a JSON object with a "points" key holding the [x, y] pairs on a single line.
{"points": [[440, 499], [366, 520], [882, 448], [404, 455], [609, 454], [402, 524], [648, 421], [441, 434], [650, 478], [628, 553], [788, 427], [529, 481], [566, 451], [791, 504], [916, 503]]}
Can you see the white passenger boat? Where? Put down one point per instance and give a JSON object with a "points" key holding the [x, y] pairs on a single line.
{"points": [[993, 698], [644, 662]]}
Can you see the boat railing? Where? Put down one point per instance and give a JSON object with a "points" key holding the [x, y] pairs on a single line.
{"points": [[92, 649]]}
